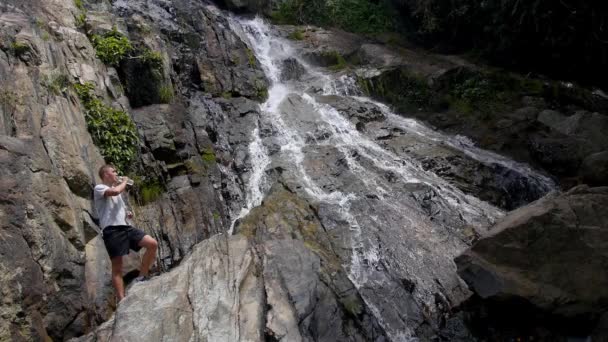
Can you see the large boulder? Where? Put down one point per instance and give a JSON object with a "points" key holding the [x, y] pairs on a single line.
{"points": [[551, 254]]}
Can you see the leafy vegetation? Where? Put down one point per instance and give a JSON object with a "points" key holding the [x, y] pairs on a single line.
{"points": [[79, 4], [566, 38], [56, 82], [152, 58], [9, 100], [337, 61], [150, 191], [112, 47], [112, 130], [80, 20], [362, 16], [165, 94]]}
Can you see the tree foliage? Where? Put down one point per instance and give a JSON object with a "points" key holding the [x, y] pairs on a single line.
{"points": [[567, 38], [361, 16], [112, 130]]}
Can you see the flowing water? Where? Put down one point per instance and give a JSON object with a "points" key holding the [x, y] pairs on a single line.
{"points": [[365, 187]]}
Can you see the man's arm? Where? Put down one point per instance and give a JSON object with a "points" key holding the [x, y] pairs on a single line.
{"points": [[116, 190]]}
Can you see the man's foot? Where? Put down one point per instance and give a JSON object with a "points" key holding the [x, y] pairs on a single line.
{"points": [[141, 279]]}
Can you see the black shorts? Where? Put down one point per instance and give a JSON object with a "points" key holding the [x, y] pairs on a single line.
{"points": [[118, 239]]}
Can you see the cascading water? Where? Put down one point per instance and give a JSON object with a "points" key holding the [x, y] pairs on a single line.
{"points": [[383, 205]]}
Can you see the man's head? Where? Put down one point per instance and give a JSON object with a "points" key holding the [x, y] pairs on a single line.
{"points": [[108, 174]]}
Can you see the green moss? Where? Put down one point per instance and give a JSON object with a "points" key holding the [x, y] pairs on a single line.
{"points": [[352, 305], [112, 47], [194, 167], [150, 192], [216, 215], [80, 20], [79, 4], [296, 35], [165, 94], [208, 156], [9, 100], [261, 90], [227, 95], [56, 83], [19, 48], [335, 58], [112, 130], [401, 88], [250, 57]]}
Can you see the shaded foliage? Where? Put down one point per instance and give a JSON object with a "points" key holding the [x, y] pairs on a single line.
{"points": [[361, 16], [565, 38]]}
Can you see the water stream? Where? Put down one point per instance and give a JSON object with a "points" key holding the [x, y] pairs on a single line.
{"points": [[306, 136]]}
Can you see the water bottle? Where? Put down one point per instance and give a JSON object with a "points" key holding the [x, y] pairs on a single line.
{"points": [[129, 182]]}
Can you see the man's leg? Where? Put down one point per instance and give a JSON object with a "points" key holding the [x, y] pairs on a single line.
{"points": [[117, 281], [150, 245]]}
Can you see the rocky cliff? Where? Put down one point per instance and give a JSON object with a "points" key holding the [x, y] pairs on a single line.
{"points": [[287, 206]]}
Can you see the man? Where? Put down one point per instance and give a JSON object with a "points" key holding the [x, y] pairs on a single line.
{"points": [[118, 236]]}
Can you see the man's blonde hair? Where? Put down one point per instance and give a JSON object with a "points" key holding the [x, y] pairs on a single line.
{"points": [[103, 169]]}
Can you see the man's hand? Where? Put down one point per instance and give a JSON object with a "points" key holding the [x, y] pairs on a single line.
{"points": [[129, 214]]}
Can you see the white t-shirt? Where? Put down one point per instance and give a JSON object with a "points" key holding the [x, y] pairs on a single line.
{"points": [[111, 209]]}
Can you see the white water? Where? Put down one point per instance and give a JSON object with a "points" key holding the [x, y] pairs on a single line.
{"points": [[271, 51]]}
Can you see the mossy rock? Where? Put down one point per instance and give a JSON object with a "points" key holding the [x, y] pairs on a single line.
{"points": [[398, 86]]}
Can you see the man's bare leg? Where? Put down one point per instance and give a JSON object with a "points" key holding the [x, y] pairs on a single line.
{"points": [[117, 281], [150, 245]]}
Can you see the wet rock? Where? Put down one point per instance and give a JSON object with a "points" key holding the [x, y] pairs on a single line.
{"points": [[292, 70], [595, 169], [510, 262]]}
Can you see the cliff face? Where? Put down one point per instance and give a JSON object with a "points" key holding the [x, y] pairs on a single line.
{"points": [[54, 267], [286, 206]]}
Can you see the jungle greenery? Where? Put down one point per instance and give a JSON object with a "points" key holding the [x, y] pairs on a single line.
{"points": [[564, 39], [112, 130], [361, 16]]}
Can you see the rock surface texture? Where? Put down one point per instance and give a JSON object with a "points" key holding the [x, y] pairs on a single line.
{"points": [[551, 253]]}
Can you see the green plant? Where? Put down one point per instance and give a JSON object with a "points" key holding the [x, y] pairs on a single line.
{"points": [[19, 48], [80, 20], [112, 130], [152, 58], [45, 36], [261, 91], [296, 35], [338, 62], [150, 191], [165, 94], [56, 83], [112, 47], [208, 156], [79, 4], [362, 16], [250, 57], [9, 100]]}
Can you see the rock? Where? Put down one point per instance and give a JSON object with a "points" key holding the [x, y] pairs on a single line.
{"points": [[216, 294], [292, 70], [594, 169], [551, 253]]}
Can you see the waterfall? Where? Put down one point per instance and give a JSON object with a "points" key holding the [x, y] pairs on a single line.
{"points": [[306, 129]]}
